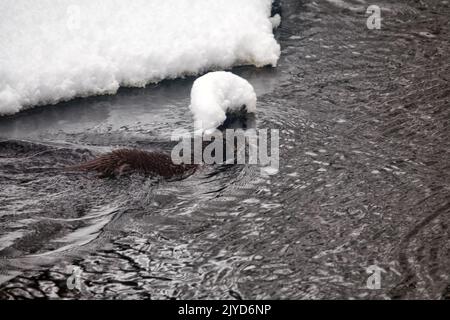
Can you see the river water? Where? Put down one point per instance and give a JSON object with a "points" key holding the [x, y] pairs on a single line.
{"points": [[364, 177]]}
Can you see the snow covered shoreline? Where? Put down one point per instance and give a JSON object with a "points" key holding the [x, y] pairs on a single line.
{"points": [[55, 51]]}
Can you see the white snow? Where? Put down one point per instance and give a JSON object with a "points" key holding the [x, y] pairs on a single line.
{"points": [[57, 50], [276, 21], [214, 94]]}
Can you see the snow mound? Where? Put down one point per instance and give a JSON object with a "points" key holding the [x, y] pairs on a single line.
{"points": [[215, 94], [57, 50]]}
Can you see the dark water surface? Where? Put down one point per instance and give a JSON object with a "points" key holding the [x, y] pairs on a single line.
{"points": [[364, 176]]}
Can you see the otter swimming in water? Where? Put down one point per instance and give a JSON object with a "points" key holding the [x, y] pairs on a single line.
{"points": [[125, 161], [220, 99]]}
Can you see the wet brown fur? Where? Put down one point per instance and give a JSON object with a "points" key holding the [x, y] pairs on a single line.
{"points": [[125, 161]]}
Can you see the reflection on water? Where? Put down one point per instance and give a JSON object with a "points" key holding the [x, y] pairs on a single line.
{"points": [[156, 110], [364, 177]]}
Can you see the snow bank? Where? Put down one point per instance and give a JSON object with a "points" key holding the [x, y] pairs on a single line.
{"points": [[57, 50], [216, 93]]}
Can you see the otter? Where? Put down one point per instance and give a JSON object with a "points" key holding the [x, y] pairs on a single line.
{"points": [[209, 108], [125, 161]]}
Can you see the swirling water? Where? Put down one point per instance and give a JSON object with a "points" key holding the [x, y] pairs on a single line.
{"points": [[364, 177]]}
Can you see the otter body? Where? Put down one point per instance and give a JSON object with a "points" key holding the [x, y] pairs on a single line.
{"points": [[125, 161]]}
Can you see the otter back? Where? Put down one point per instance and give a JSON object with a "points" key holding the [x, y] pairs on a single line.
{"points": [[124, 161]]}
